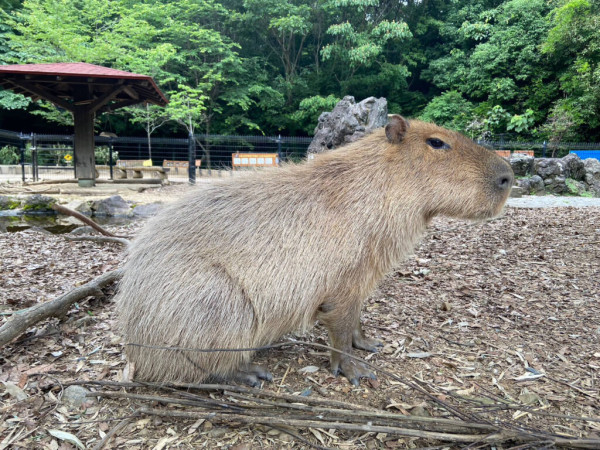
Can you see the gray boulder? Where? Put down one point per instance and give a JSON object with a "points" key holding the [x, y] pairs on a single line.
{"points": [[81, 206], [38, 204], [536, 184], [113, 206], [591, 167], [573, 167], [348, 122], [576, 187], [531, 185], [556, 184], [594, 188], [522, 165], [548, 167], [7, 203]]}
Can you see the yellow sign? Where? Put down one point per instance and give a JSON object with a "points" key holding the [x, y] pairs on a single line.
{"points": [[147, 163]]}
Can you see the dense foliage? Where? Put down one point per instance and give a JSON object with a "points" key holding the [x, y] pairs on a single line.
{"points": [[518, 68]]}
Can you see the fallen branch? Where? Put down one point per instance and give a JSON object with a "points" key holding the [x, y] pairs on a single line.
{"points": [[21, 320], [279, 408], [493, 438], [69, 212]]}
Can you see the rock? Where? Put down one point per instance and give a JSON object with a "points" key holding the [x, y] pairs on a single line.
{"points": [[523, 183], [594, 188], [591, 167], [38, 204], [83, 231], [147, 210], [113, 206], [573, 167], [75, 396], [548, 167], [536, 184], [419, 411], [576, 187], [531, 185], [7, 203], [348, 122], [80, 206], [517, 192], [522, 165], [556, 185]]}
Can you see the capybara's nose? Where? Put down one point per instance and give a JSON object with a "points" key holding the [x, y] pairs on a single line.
{"points": [[505, 180]]}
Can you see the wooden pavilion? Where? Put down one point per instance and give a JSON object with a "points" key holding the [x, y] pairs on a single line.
{"points": [[84, 90]]}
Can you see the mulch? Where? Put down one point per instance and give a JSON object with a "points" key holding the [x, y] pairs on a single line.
{"points": [[494, 323]]}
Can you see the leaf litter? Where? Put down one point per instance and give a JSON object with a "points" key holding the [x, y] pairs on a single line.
{"points": [[499, 320]]}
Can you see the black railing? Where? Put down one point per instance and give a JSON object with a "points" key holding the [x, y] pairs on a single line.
{"points": [[51, 156]]}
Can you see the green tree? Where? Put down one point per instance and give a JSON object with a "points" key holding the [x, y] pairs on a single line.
{"points": [[450, 110], [493, 56], [573, 47], [151, 117], [110, 33]]}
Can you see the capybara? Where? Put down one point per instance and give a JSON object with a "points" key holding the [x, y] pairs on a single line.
{"points": [[240, 263]]}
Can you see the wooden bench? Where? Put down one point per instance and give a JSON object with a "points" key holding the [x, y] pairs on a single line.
{"points": [[254, 160], [176, 165], [137, 168]]}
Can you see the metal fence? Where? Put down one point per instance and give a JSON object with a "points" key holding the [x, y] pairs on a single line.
{"points": [[46, 157], [541, 149], [42, 156]]}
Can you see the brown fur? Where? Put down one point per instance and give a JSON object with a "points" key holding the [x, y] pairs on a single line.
{"points": [[241, 263]]}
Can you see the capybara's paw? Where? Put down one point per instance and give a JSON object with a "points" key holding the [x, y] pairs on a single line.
{"points": [[353, 370], [260, 372], [368, 344], [252, 374]]}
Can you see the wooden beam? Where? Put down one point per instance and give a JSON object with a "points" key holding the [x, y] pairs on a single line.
{"points": [[120, 104], [42, 92], [132, 93], [101, 101]]}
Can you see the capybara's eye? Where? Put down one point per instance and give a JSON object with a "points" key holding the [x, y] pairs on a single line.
{"points": [[437, 143]]}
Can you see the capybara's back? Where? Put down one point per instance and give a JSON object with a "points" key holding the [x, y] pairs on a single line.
{"points": [[239, 263]]}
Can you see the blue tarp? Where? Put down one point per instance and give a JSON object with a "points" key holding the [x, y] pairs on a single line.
{"points": [[585, 154]]}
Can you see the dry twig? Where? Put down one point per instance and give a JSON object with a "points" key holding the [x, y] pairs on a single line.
{"points": [[21, 320]]}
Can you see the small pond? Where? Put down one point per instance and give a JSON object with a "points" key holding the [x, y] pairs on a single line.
{"points": [[53, 223]]}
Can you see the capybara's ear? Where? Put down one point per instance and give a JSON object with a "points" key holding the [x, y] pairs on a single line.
{"points": [[396, 128]]}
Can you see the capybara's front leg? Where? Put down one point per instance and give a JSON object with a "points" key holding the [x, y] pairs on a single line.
{"points": [[359, 340], [341, 322]]}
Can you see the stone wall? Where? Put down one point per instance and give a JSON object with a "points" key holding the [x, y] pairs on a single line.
{"points": [[568, 175]]}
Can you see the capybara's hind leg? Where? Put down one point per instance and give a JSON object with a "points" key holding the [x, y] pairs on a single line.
{"points": [[251, 375], [360, 341], [336, 319]]}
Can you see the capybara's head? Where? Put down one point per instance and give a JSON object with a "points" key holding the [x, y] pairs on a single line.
{"points": [[453, 175]]}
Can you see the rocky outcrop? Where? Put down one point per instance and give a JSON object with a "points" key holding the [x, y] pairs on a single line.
{"points": [[573, 167], [592, 175], [522, 165], [348, 122], [568, 175]]}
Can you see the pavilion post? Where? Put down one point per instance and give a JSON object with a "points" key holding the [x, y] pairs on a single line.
{"points": [[83, 144]]}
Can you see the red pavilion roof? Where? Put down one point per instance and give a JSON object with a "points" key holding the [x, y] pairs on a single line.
{"points": [[60, 80]]}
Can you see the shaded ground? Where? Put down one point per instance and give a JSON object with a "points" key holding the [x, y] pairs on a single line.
{"points": [[475, 311]]}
